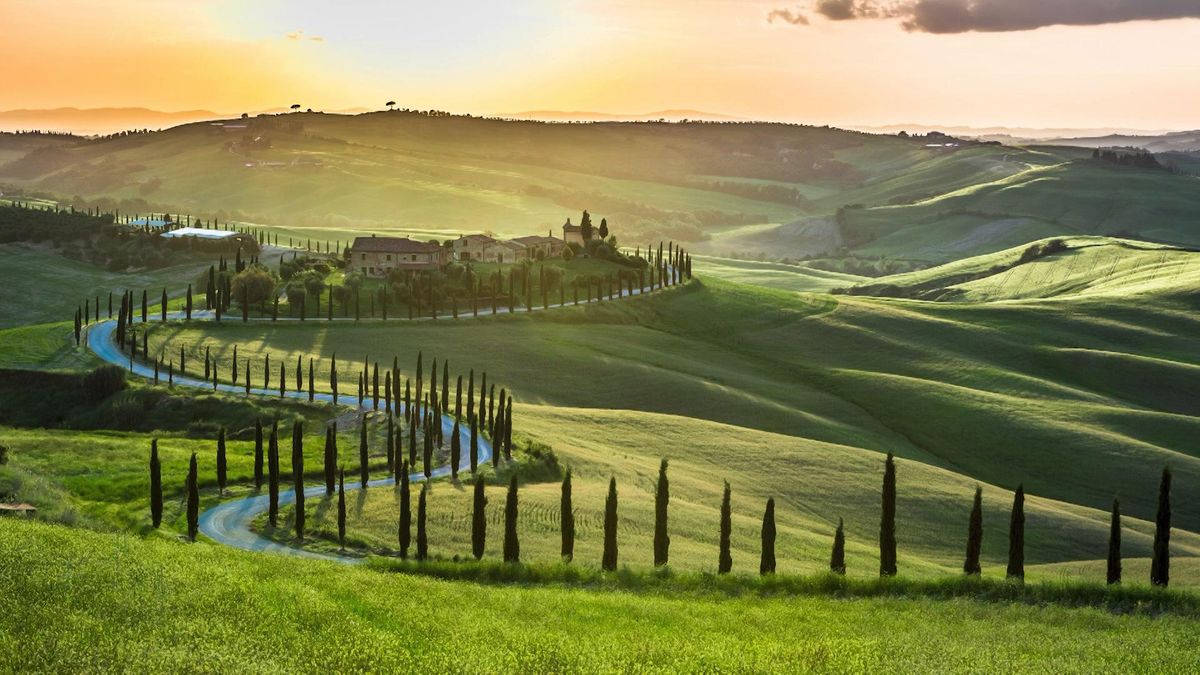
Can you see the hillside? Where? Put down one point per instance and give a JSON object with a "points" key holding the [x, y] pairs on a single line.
{"points": [[1051, 268], [315, 175]]}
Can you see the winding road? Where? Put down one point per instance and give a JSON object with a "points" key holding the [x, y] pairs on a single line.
{"points": [[230, 522]]}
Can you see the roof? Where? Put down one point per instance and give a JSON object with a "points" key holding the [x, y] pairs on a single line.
{"points": [[201, 233], [513, 244], [478, 237], [534, 239], [568, 227], [392, 245]]}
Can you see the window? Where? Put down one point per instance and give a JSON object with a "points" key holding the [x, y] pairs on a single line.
{"points": [[414, 257], [389, 257], [364, 256]]}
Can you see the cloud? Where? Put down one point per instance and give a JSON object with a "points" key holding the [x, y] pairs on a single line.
{"points": [[788, 16], [295, 35], [317, 38], [989, 16]]}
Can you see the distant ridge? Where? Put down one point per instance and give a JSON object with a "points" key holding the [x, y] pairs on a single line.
{"points": [[592, 116], [98, 121]]}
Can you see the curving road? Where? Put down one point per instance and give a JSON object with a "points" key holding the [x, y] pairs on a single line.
{"points": [[229, 522]]}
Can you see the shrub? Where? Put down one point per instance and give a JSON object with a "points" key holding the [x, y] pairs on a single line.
{"points": [[103, 382]]}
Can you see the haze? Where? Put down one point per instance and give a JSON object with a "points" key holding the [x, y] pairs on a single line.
{"points": [[761, 60]]}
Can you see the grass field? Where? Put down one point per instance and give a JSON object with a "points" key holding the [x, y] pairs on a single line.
{"points": [[236, 611]]}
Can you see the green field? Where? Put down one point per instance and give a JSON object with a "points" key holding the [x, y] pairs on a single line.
{"points": [[203, 604]]}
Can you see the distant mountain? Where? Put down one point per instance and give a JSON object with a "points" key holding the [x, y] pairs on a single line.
{"points": [[1011, 134], [591, 116], [90, 121], [1178, 141]]}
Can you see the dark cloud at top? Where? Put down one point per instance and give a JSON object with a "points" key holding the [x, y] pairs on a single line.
{"points": [[961, 16]]}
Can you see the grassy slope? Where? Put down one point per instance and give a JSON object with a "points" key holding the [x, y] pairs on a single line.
{"points": [[772, 275], [1078, 197], [46, 286], [1067, 397], [203, 606], [1093, 266]]}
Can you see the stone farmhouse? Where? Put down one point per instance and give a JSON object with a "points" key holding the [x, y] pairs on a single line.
{"points": [[483, 248], [377, 256]]}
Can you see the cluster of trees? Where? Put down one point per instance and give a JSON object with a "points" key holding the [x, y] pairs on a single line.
{"points": [[1135, 158]]}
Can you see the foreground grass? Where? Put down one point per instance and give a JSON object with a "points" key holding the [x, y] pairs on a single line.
{"points": [[72, 600]]}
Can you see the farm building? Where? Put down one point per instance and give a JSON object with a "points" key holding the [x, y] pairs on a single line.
{"points": [[376, 256], [473, 247], [572, 234], [483, 248]]}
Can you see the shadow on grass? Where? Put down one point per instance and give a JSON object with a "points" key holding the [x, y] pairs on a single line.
{"points": [[1117, 599]]}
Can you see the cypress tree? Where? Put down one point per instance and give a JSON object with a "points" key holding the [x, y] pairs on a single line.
{"points": [[478, 519], [422, 535], [156, 499], [512, 547], [329, 461], [566, 511], [273, 474], [474, 444], [193, 500], [258, 454], [342, 508], [1016, 537], [299, 374], [1160, 563], [662, 497], [724, 559], [312, 390], [364, 470], [187, 308], [974, 534], [163, 306], [767, 564], [427, 455], [375, 387], [445, 384], [405, 512], [391, 444], [221, 468], [608, 561], [458, 398], [1114, 545], [837, 560], [298, 475], [145, 306], [455, 451], [887, 524], [508, 429]]}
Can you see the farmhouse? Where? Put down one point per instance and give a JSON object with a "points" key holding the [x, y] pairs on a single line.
{"points": [[473, 247], [376, 256], [538, 246], [483, 248]]}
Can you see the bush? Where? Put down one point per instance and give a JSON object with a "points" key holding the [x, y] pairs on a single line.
{"points": [[103, 382], [3, 454], [254, 283], [128, 415]]}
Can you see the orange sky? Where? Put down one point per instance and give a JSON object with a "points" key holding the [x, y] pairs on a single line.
{"points": [[617, 56]]}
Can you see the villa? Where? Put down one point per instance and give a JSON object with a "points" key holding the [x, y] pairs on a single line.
{"points": [[377, 256]]}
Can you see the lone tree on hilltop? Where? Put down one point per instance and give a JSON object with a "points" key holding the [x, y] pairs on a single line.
{"points": [[609, 561], [974, 534], [156, 499], [662, 497], [1114, 545], [887, 525], [724, 559], [478, 519], [767, 563], [1016, 537], [837, 559], [566, 511], [512, 547], [1160, 563]]}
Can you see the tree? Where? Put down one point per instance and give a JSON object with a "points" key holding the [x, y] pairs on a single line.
{"points": [[422, 535], [1160, 563], [474, 443], [405, 511], [837, 560], [662, 497], [252, 286], [974, 535], [330, 458], [567, 516], [188, 306], [478, 519], [156, 500], [1114, 545], [298, 475], [363, 469], [221, 468], [455, 451], [724, 559], [603, 231], [193, 500], [585, 226], [767, 564], [342, 509], [887, 524], [1016, 537], [512, 546], [608, 561], [258, 451], [390, 104], [273, 474], [295, 107]]}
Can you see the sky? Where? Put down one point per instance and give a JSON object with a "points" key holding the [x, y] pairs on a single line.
{"points": [[1017, 63]]}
